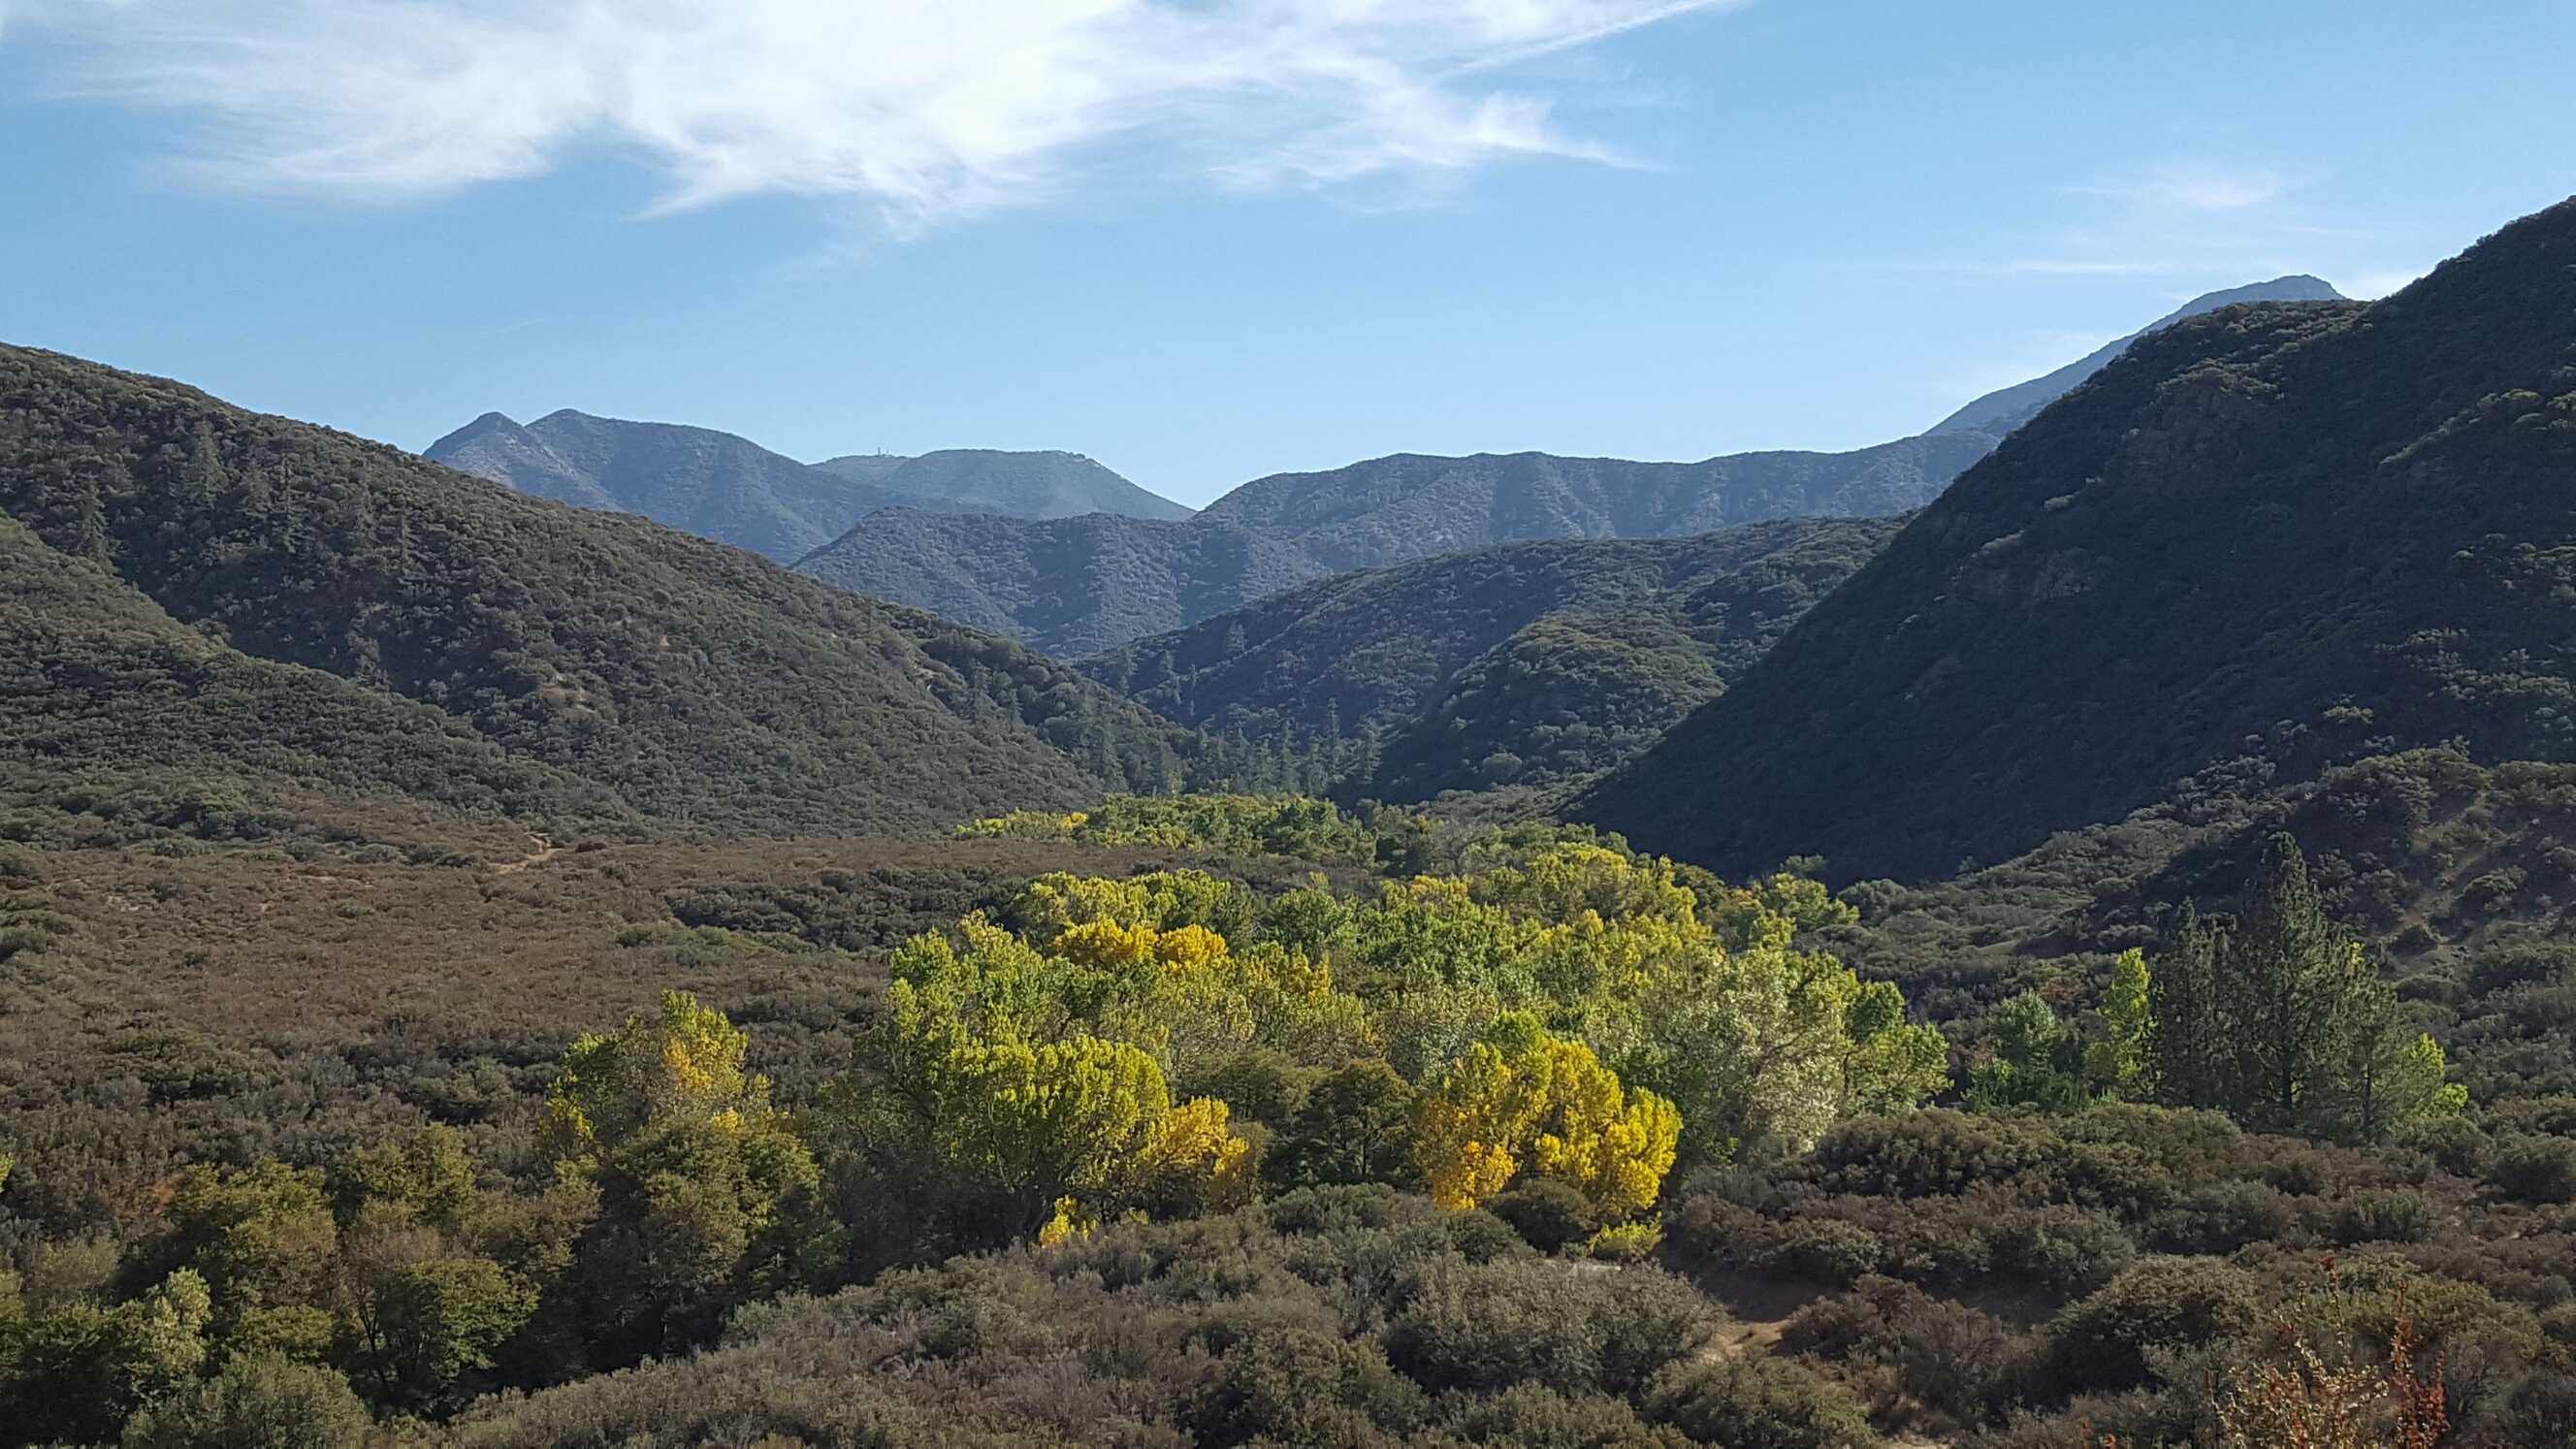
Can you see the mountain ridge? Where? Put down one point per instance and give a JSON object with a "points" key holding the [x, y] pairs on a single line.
{"points": [[2280, 535], [2007, 408], [1039, 484], [697, 684], [724, 487]]}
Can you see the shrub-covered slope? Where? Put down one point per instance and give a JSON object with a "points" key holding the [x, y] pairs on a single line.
{"points": [[1066, 587], [110, 707], [2296, 533], [697, 683], [1559, 657], [2001, 411]]}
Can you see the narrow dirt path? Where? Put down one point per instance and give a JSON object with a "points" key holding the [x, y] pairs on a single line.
{"points": [[546, 850]]}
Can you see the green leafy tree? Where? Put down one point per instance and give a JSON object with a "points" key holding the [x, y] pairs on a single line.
{"points": [[2283, 1022], [1756, 1047], [421, 1314], [683, 1063], [257, 1401], [696, 1215], [427, 1173], [1356, 1125], [2029, 1046], [265, 1240], [1891, 1064], [2115, 1061], [81, 1370], [704, 1189]]}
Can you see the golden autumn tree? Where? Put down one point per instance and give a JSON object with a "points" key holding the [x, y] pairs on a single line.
{"points": [[1471, 1119], [1524, 1099], [1614, 1147]]}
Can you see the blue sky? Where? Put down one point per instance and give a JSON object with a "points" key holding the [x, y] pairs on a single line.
{"points": [[1203, 240]]}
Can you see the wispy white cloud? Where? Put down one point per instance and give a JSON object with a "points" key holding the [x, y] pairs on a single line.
{"points": [[2195, 225], [2192, 189], [928, 110]]}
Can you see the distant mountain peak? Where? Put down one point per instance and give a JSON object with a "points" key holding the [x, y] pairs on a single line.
{"points": [[2005, 409], [720, 486], [486, 426]]}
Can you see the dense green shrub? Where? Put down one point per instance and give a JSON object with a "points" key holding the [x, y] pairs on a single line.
{"points": [[256, 1402], [1758, 1403], [1563, 1324], [1547, 1214], [2104, 1341], [2535, 1169]]}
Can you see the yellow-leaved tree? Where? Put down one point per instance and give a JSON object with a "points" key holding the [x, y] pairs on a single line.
{"points": [[1471, 1119], [989, 1091], [1524, 1099], [1614, 1147], [681, 1063]]}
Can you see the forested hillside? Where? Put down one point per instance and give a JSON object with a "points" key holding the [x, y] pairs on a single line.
{"points": [[115, 714], [690, 682], [2287, 535], [1066, 587], [1546, 659]]}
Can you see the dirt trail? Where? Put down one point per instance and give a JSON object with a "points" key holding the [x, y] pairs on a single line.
{"points": [[546, 850]]}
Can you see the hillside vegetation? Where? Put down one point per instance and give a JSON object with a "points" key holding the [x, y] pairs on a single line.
{"points": [[2001, 411], [1528, 1138], [678, 679], [1548, 659], [115, 716], [2287, 535], [1066, 587]]}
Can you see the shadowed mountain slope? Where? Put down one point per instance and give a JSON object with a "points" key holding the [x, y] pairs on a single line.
{"points": [[693, 682], [2282, 534]]}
